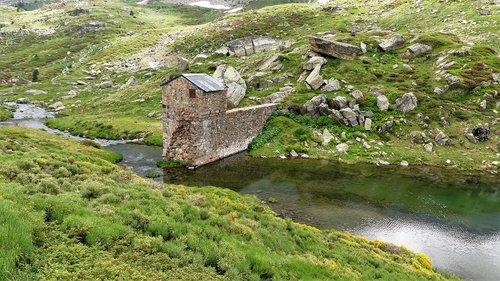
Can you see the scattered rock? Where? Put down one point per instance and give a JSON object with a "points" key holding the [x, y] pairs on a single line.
{"points": [[382, 163], [368, 124], [272, 63], [418, 49], [382, 103], [314, 62], [315, 80], [393, 43], [334, 49], [35, 92], [22, 101], [132, 81], [332, 85], [406, 103], [326, 137], [249, 46], [357, 94], [483, 11], [279, 96], [481, 133], [338, 103], [182, 64], [404, 164], [236, 86], [79, 11], [417, 137], [342, 148], [105, 84], [200, 57], [311, 107], [441, 138], [294, 154], [428, 147], [304, 156], [58, 106], [483, 104]]}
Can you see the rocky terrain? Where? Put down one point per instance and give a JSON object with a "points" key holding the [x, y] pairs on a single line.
{"points": [[356, 81]]}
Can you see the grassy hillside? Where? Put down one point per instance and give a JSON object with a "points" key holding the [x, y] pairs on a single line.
{"points": [[128, 43], [68, 213]]}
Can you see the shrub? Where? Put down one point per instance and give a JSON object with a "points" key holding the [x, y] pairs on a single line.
{"points": [[169, 164]]}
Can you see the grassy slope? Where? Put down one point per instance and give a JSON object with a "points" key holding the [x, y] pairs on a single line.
{"points": [[68, 214], [114, 113], [4, 113]]}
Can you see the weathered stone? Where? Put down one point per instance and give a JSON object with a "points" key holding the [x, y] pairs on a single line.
{"points": [[342, 148], [56, 105], [382, 103], [311, 107], [406, 103], [313, 62], [393, 43], [332, 85], [404, 163], [382, 163], [132, 81], [315, 80], [338, 102], [271, 63], [417, 137], [249, 46], [483, 104], [79, 11], [279, 96], [484, 11], [200, 57], [335, 49], [418, 49], [71, 94], [324, 110], [35, 92], [326, 137], [368, 124], [105, 84], [235, 84], [428, 147], [182, 64], [357, 94], [441, 138], [22, 101], [294, 154]]}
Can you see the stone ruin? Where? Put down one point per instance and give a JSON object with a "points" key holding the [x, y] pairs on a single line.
{"points": [[197, 126]]}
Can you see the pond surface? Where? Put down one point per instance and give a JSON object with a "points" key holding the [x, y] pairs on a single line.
{"points": [[451, 216]]}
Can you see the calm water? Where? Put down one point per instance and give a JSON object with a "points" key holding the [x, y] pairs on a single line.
{"points": [[453, 218]]}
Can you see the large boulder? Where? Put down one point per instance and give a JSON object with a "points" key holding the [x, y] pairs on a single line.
{"points": [[105, 84], [406, 103], [418, 49], [312, 107], [35, 92], [393, 43], [249, 46], [271, 63], [382, 103], [339, 103], [236, 86], [315, 80], [334, 49]]}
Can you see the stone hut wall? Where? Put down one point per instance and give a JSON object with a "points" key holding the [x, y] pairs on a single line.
{"points": [[199, 130]]}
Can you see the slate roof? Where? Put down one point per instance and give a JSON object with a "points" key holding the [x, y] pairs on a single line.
{"points": [[203, 81]]}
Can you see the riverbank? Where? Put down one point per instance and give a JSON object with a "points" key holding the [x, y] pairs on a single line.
{"points": [[69, 207]]}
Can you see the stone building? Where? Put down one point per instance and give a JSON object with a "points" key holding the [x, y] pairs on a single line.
{"points": [[198, 128]]}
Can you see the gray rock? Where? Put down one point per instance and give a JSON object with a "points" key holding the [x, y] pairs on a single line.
{"points": [[271, 63], [368, 124], [334, 49], [56, 105], [342, 148], [326, 137], [200, 57], [428, 147], [315, 80], [418, 49], [35, 92], [311, 107], [294, 154], [481, 133], [357, 94], [324, 110], [249, 46], [182, 64], [338, 103], [393, 43], [132, 81], [278, 97], [417, 137], [332, 85], [483, 104], [406, 103], [441, 138], [404, 163], [22, 101], [313, 62], [105, 84], [496, 77], [236, 86], [382, 103]]}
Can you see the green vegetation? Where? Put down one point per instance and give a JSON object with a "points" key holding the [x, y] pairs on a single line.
{"points": [[66, 213], [169, 164], [4, 113]]}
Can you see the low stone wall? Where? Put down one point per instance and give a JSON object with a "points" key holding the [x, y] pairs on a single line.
{"points": [[232, 133]]}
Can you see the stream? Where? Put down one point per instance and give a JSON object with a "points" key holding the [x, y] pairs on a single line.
{"points": [[452, 217]]}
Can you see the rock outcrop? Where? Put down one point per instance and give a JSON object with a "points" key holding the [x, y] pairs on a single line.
{"points": [[334, 49], [249, 46], [418, 49], [393, 43], [236, 86], [406, 103]]}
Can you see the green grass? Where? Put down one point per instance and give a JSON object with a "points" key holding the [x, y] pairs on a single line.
{"points": [[67, 213], [5, 114]]}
